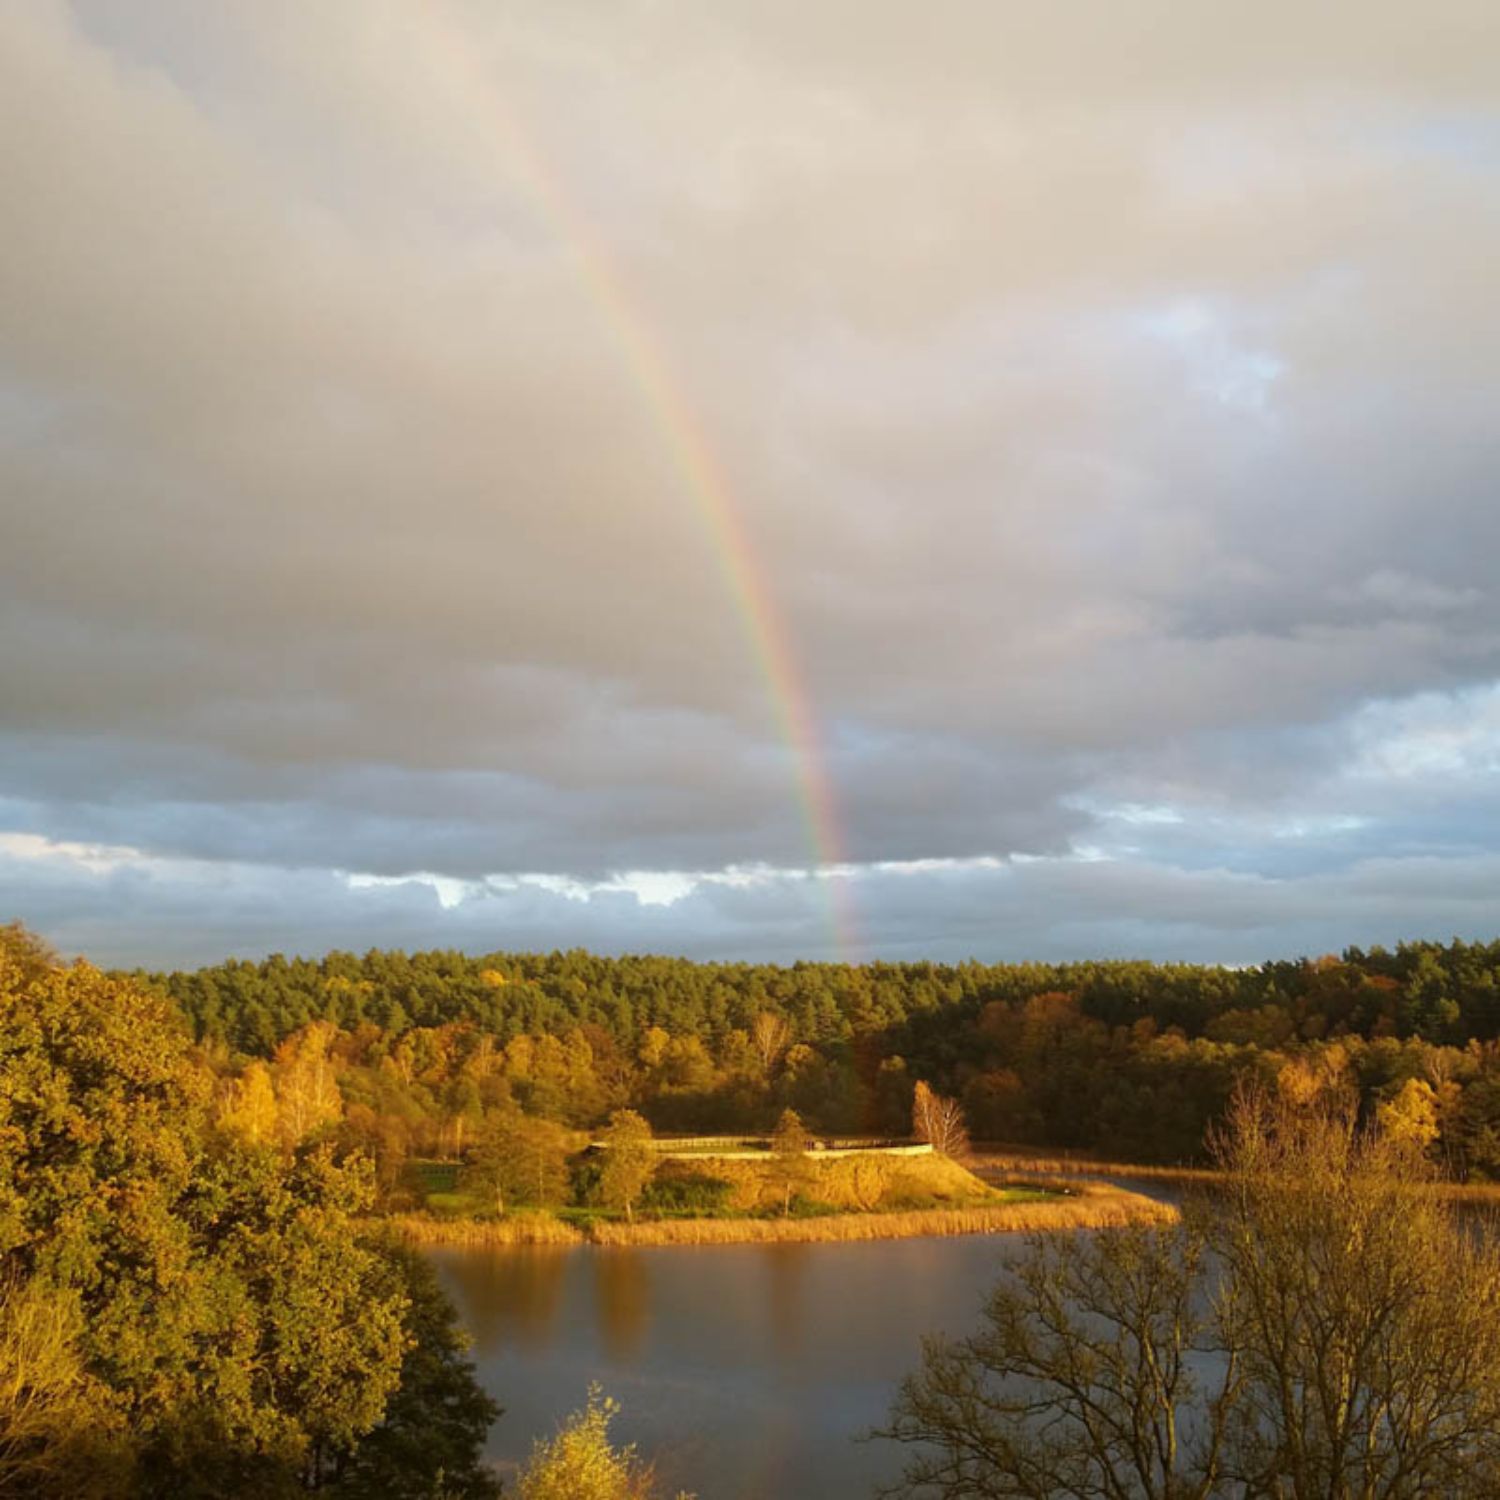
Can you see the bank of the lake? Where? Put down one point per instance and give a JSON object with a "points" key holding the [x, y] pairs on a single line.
{"points": [[1018, 1209], [1000, 1165], [834, 1196]]}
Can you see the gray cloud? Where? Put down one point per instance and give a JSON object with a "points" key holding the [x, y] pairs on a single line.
{"points": [[1106, 394], [172, 913]]}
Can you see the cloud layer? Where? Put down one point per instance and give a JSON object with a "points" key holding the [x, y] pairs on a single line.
{"points": [[1107, 398]]}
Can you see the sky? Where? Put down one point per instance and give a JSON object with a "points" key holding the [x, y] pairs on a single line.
{"points": [[753, 480]]}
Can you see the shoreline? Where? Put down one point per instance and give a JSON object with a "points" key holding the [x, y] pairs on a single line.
{"points": [[1000, 1167], [1090, 1206], [1039, 1165]]}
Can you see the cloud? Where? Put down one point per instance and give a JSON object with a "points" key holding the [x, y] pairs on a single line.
{"points": [[1104, 396], [132, 911]]}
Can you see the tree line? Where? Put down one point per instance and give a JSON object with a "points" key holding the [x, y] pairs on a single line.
{"points": [[409, 1055]]}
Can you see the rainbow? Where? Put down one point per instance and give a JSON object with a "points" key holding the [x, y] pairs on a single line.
{"points": [[703, 478]]}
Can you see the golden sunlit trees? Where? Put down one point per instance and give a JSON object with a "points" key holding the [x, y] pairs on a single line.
{"points": [[518, 1159], [1364, 1317], [1411, 1116], [580, 1462], [770, 1035], [200, 1311], [248, 1108], [307, 1092], [61, 1429], [629, 1161]]}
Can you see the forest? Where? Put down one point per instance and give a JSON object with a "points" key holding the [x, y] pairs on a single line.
{"points": [[406, 1056], [200, 1292]]}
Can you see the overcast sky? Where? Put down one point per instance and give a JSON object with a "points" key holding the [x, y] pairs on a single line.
{"points": [[1109, 394]]}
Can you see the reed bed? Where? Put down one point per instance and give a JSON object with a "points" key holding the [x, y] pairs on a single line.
{"points": [[996, 1161], [518, 1229], [1471, 1194], [1000, 1168]]}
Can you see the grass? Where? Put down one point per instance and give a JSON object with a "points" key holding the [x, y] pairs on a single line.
{"points": [[863, 1182], [454, 1205]]}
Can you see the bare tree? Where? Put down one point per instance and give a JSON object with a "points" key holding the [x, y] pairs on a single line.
{"points": [[939, 1120], [1079, 1385], [769, 1035], [1350, 1321]]}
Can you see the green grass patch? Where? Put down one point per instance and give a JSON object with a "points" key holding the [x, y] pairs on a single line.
{"points": [[456, 1205], [1025, 1194]]}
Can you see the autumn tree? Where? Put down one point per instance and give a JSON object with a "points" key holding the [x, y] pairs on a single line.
{"points": [[518, 1159], [939, 1121], [248, 1108], [61, 1430], [790, 1169], [307, 1090], [629, 1161], [1410, 1117], [182, 1312], [580, 1462]]}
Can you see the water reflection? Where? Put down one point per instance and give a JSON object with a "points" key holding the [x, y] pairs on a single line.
{"points": [[512, 1297], [785, 1272], [622, 1295], [747, 1370]]}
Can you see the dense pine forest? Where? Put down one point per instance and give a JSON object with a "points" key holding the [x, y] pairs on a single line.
{"points": [[406, 1055]]}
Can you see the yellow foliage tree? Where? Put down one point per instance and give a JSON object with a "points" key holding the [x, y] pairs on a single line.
{"points": [[581, 1464], [1411, 1117], [249, 1108], [307, 1093]]}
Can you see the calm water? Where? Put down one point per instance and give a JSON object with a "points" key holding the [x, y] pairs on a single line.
{"points": [[746, 1370]]}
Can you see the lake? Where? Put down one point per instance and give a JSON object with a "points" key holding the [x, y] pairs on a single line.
{"points": [[746, 1371]]}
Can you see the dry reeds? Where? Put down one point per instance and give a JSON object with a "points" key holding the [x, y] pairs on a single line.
{"points": [[518, 1229], [1005, 1168], [1002, 1161], [1101, 1208], [1089, 1206]]}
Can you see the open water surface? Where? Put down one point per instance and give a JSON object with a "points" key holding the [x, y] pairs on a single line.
{"points": [[745, 1370]]}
